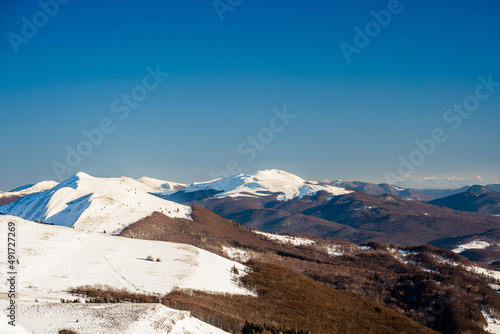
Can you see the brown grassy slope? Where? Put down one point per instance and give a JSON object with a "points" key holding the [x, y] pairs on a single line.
{"points": [[290, 300], [378, 274], [207, 230]]}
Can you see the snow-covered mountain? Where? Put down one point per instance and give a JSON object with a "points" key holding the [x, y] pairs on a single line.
{"points": [[265, 183], [94, 204]]}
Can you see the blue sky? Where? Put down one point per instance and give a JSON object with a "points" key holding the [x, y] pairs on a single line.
{"points": [[353, 120]]}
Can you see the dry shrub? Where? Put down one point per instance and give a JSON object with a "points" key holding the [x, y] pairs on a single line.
{"points": [[107, 294]]}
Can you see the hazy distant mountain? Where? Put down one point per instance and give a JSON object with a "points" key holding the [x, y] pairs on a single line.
{"points": [[440, 193], [475, 199], [495, 187], [407, 194]]}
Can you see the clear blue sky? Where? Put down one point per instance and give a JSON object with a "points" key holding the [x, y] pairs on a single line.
{"points": [[353, 120]]}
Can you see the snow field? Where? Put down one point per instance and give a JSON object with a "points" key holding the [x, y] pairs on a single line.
{"points": [[110, 318], [53, 259]]}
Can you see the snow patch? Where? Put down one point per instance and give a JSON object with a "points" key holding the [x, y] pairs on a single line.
{"points": [[336, 250], [493, 323], [285, 239], [487, 272], [237, 254], [475, 244]]}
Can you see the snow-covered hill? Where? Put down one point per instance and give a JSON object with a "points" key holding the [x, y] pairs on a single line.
{"points": [[265, 183], [54, 258], [94, 204]]}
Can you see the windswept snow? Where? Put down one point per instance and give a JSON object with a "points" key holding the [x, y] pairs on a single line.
{"points": [[475, 244], [110, 318], [54, 258], [94, 204], [265, 183], [286, 239]]}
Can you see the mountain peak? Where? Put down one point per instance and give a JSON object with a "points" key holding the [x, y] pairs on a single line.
{"points": [[276, 174], [478, 189], [83, 175]]}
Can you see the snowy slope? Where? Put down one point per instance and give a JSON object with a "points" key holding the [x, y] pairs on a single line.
{"points": [[265, 183], [54, 258], [94, 204], [110, 318], [161, 185]]}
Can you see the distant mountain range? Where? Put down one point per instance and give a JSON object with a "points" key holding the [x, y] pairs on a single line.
{"points": [[407, 194], [271, 200], [440, 193]]}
